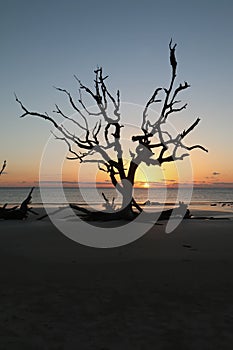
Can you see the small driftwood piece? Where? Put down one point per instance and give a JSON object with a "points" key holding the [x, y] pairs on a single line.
{"points": [[182, 210], [107, 205]]}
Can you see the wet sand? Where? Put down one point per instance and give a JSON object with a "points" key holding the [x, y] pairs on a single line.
{"points": [[163, 291]]}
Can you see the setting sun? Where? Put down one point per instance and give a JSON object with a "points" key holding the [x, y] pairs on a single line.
{"points": [[146, 185]]}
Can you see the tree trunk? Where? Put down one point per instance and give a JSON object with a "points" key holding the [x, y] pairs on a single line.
{"points": [[127, 201]]}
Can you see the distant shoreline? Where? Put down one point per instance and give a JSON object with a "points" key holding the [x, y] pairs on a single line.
{"points": [[210, 198]]}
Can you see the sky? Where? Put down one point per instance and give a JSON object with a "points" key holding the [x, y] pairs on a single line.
{"points": [[44, 43]]}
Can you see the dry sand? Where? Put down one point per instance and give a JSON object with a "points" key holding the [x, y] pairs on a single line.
{"points": [[161, 292]]}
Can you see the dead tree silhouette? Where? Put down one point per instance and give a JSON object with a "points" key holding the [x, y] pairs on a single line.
{"points": [[154, 145]]}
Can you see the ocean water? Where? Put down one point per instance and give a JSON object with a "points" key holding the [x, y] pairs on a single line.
{"points": [[92, 196]]}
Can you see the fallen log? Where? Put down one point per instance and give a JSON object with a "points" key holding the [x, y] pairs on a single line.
{"points": [[92, 215]]}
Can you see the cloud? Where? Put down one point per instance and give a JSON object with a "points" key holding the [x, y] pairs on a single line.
{"points": [[55, 182], [213, 174], [74, 183], [167, 180]]}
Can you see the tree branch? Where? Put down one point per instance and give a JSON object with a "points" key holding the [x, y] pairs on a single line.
{"points": [[56, 125], [3, 167], [164, 140]]}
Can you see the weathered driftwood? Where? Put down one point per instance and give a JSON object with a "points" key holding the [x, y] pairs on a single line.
{"points": [[17, 213], [92, 215]]}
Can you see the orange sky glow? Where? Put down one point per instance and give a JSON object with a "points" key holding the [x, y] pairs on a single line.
{"points": [[169, 175]]}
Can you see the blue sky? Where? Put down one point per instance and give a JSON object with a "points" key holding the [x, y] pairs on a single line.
{"points": [[43, 43]]}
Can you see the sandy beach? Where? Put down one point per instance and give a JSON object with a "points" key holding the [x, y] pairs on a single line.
{"points": [[163, 291]]}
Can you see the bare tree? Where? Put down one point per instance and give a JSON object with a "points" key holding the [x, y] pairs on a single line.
{"points": [[154, 145]]}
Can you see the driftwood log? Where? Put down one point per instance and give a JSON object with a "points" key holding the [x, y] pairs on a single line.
{"points": [[92, 215], [16, 212]]}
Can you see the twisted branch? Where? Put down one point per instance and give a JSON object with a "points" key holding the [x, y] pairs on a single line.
{"points": [[155, 130]]}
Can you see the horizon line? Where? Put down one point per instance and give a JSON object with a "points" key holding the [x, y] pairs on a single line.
{"points": [[173, 186]]}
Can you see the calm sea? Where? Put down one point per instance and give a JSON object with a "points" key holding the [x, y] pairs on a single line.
{"points": [[199, 196]]}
